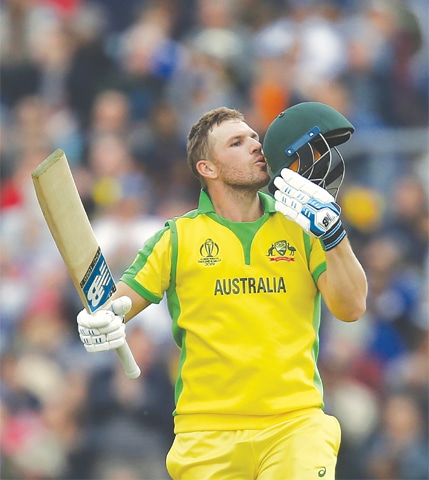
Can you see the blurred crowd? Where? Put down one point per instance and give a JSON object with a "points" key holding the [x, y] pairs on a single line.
{"points": [[117, 85]]}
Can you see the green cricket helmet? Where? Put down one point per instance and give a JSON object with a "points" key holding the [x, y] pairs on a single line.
{"points": [[304, 138]]}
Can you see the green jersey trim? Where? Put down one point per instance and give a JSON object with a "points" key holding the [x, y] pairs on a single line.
{"points": [[318, 271], [317, 379], [179, 334], [140, 290], [205, 204], [172, 298], [320, 268], [244, 231], [129, 276], [178, 387]]}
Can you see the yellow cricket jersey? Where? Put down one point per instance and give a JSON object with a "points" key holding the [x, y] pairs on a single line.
{"points": [[245, 311]]}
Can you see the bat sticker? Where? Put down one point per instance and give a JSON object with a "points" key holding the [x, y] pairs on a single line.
{"points": [[97, 284]]}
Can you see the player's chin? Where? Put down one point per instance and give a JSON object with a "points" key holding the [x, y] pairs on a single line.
{"points": [[262, 180]]}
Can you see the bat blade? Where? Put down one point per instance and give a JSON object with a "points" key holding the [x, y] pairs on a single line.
{"points": [[71, 229]]}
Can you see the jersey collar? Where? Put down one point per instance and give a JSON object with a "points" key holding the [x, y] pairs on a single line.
{"points": [[205, 205]]}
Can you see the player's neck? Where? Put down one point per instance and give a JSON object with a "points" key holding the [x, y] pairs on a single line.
{"points": [[237, 205]]}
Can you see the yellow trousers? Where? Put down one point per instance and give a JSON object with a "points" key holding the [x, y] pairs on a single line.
{"points": [[302, 448]]}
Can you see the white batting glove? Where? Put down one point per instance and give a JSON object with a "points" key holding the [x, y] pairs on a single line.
{"points": [[103, 330], [310, 206]]}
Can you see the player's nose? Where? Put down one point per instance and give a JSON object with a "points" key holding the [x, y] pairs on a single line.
{"points": [[256, 145]]}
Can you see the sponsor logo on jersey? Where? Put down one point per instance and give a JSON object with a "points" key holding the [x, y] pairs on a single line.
{"points": [[278, 251], [249, 285]]}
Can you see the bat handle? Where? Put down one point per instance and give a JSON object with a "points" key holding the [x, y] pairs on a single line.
{"points": [[121, 306], [126, 357]]}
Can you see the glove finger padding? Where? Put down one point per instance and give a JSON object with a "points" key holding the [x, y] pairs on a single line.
{"points": [[103, 342], [292, 210], [100, 319], [113, 325], [101, 331], [294, 180], [104, 347], [288, 206], [310, 206]]}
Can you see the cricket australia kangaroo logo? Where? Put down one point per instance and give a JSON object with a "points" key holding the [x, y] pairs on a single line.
{"points": [[278, 250], [209, 251], [98, 284]]}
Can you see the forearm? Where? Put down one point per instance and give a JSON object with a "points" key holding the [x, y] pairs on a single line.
{"points": [[138, 302], [343, 285]]}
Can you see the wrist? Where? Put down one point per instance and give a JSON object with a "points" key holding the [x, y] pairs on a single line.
{"points": [[334, 236]]}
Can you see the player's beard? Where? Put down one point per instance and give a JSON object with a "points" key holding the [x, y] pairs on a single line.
{"points": [[246, 181]]}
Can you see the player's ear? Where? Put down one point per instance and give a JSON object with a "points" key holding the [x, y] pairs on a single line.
{"points": [[207, 169]]}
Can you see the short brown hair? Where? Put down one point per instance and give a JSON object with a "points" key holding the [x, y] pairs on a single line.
{"points": [[198, 147]]}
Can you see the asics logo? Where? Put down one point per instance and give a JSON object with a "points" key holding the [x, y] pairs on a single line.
{"points": [[322, 472]]}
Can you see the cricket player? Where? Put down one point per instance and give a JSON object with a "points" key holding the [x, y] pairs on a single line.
{"points": [[244, 275]]}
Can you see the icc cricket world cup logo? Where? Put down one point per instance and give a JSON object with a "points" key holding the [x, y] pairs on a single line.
{"points": [[209, 251]]}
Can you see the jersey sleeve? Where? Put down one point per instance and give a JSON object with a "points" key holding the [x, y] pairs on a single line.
{"points": [[317, 259], [149, 274]]}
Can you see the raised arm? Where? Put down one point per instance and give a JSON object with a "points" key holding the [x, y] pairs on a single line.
{"points": [[343, 285]]}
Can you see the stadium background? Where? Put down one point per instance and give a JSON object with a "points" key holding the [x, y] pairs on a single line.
{"points": [[117, 84]]}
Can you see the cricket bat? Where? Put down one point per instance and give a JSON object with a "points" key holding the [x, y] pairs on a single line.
{"points": [[69, 225]]}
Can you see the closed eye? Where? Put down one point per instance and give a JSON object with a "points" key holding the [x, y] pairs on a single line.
{"points": [[238, 140]]}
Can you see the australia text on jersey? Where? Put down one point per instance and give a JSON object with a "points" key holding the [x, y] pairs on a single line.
{"points": [[249, 285]]}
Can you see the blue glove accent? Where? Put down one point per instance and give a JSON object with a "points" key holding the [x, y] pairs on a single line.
{"points": [[333, 236], [310, 206], [309, 210]]}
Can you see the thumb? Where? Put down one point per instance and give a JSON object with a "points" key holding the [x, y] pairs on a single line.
{"points": [[121, 306]]}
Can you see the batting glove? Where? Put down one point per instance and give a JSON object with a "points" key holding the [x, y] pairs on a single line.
{"points": [[310, 206], [102, 330]]}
